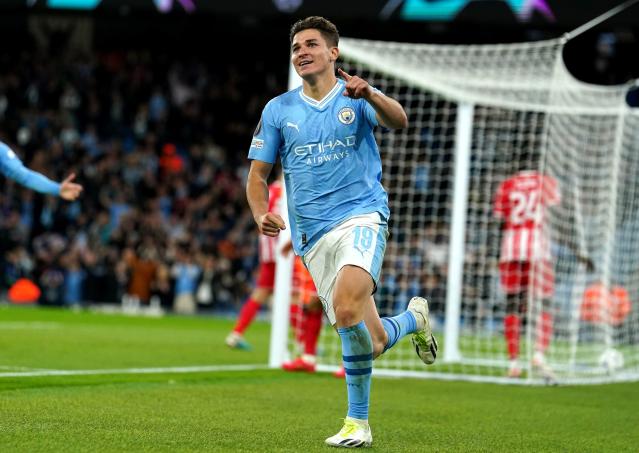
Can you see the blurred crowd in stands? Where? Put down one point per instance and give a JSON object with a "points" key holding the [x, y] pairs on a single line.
{"points": [[159, 144]]}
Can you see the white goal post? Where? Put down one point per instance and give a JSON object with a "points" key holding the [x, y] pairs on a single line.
{"points": [[477, 115]]}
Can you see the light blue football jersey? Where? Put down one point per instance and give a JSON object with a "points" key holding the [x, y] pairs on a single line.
{"points": [[12, 167], [331, 163]]}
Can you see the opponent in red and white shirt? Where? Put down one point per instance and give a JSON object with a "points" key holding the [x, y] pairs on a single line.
{"points": [[265, 283], [521, 202]]}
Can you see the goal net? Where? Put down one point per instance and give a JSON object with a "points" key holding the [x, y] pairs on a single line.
{"points": [[479, 114]]}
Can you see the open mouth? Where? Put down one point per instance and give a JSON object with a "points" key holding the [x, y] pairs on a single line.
{"points": [[304, 63]]}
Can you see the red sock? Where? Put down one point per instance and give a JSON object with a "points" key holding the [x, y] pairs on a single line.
{"points": [[544, 331], [511, 333], [312, 327], [247, 314], [296, 321]]}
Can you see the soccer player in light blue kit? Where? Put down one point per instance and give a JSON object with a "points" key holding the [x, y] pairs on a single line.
{"points": [[323, 134], [11, 166]]}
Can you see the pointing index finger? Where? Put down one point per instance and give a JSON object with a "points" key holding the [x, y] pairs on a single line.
{"points": [[343, 74]]}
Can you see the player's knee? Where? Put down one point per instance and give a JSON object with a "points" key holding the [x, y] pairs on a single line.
{"points": [[349, 300], [261, 295], [347, 314]]}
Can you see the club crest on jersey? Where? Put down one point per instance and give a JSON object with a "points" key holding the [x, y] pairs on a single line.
{"points": [[346, 115]]}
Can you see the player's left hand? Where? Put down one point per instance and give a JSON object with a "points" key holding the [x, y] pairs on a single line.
{"points": [[69, 190], [356, 87]]}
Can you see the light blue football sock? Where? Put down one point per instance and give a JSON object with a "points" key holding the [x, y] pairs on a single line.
{"points": [[398, 327], [357, 354]]}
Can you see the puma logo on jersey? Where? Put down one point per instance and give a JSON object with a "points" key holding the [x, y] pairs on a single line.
{"points": [[293, 125]]}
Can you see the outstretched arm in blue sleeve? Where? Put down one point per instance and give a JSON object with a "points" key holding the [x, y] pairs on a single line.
{"points": [[12, 167]]}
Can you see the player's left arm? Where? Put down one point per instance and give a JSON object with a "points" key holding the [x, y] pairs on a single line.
{"points": [[388, 111]]}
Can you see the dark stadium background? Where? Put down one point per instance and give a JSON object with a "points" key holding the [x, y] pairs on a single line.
{"points": [[137, 23]]}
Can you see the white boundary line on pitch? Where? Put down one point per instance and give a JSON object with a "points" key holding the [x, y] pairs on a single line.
{"points": [[165, 370], [26, 325]]}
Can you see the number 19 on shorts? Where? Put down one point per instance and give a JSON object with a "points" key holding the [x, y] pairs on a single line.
{"points": [[363, 238]]}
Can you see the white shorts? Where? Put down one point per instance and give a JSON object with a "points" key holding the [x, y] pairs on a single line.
{"points": [[359, 241]]}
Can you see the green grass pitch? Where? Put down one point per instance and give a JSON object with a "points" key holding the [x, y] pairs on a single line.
{"points": [[260, 410]]}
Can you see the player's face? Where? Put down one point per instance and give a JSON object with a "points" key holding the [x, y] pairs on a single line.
{"points": [[311, 55]]}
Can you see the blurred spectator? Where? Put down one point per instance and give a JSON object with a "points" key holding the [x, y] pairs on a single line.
{"points": [[74, 277], [171, 162], [162, 291], [186, 273], [142, 268]]}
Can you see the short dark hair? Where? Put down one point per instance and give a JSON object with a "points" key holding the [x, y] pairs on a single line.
{"points": [[324, 26]]}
